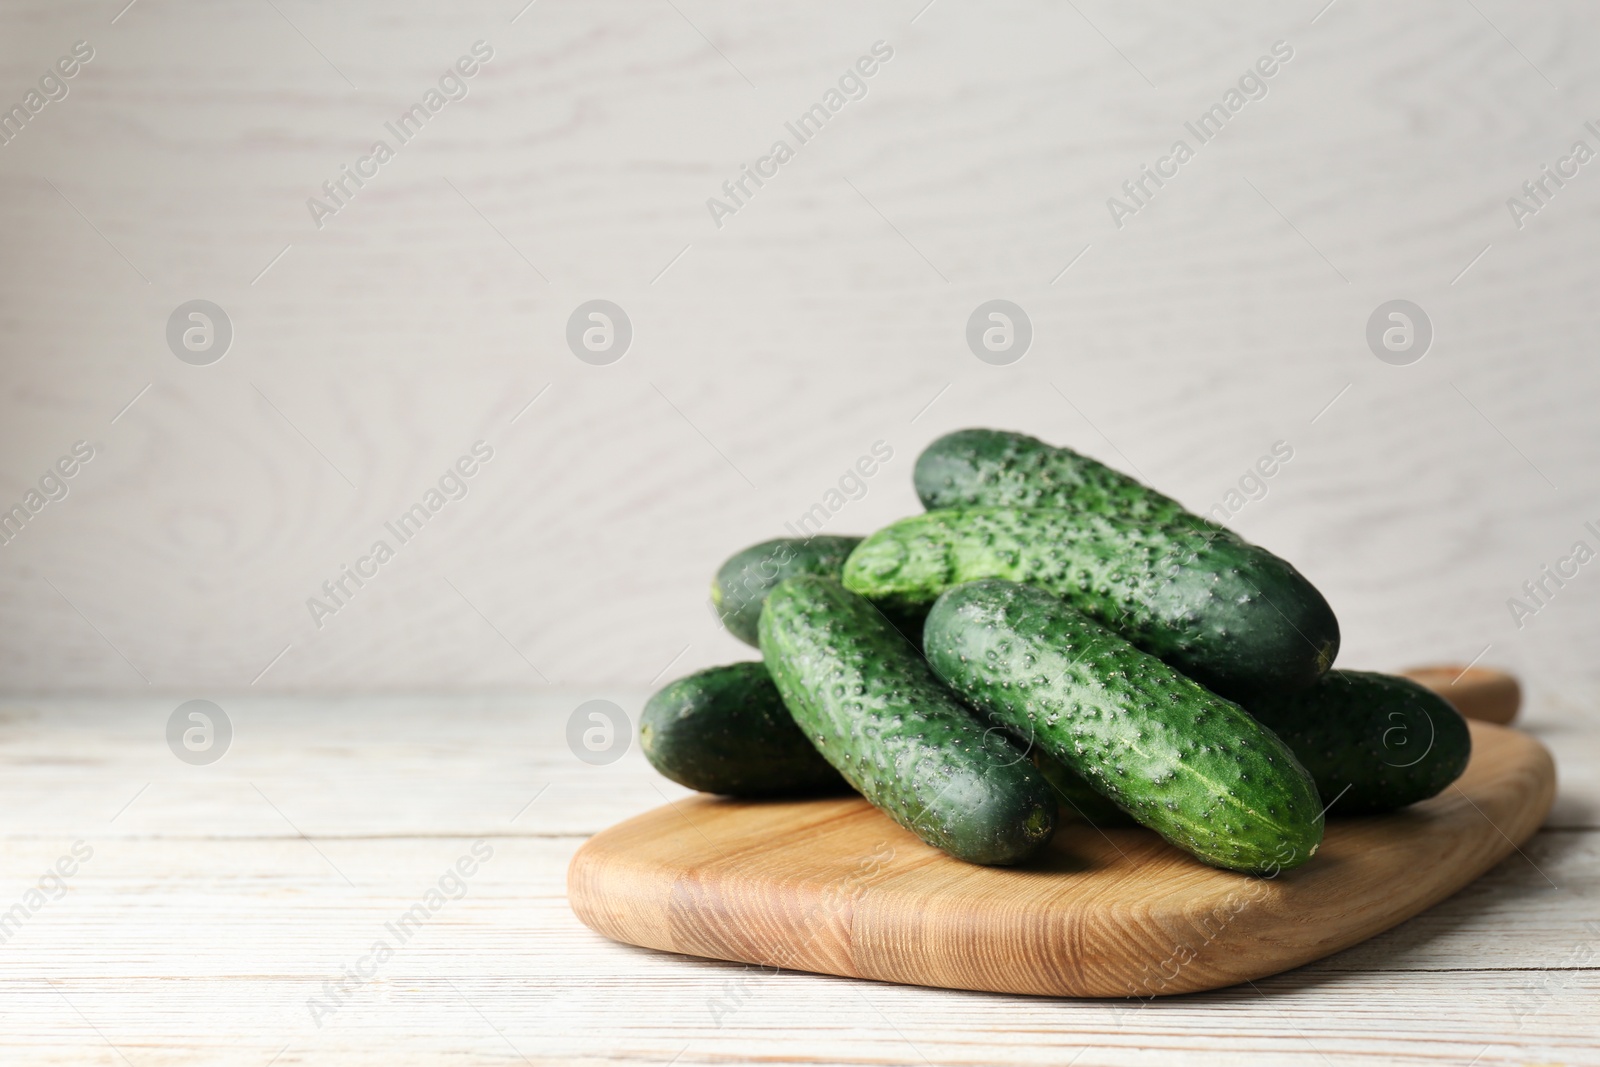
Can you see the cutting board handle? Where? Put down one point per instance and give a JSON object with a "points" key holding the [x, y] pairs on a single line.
{"points": [[1476, 692]]}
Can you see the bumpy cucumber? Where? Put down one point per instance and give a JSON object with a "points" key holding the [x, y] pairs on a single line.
{"points": [[866, 698], [1373, 742], [999, 468], [743, 582], [1195, 768], [726, 730], [1228, 614]]}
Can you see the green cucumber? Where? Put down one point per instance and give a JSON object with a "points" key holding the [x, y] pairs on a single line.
{"points": [[999, 468], [1181, 760], [1231, 615], [743, 582], [1373, 742], [726, 730], [865, 697], [1077, 796]]}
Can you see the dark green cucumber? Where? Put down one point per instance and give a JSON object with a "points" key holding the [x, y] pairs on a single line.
{"points": [[1228, 614], [743, 582], [1373, 742], [865, 697], [726, 730], [1078, 798], [1181, 760], [999, 468]]}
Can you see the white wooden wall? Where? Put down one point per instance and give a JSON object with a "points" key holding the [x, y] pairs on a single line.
{"points": [[769, 353]]}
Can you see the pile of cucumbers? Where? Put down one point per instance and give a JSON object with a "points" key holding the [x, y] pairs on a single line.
{"points": [[1050, 639]]}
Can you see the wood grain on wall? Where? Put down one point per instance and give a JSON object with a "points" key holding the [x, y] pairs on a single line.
{"points": [[826, 314]]}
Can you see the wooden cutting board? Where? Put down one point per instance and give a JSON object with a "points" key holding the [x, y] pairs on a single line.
{"points": [[834, 886]]}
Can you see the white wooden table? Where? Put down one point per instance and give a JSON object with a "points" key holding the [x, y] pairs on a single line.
{"points": [[222, 903]]}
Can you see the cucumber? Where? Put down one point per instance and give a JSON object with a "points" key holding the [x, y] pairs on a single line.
{"points": [[1077, 796], [865, 697], [743, 582], [1231, 615], [999, 468], [1372, 742], [1188, 764], [726, 730]]}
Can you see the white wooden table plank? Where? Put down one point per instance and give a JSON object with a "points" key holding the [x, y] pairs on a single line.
{"points": [[431, 765]]}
